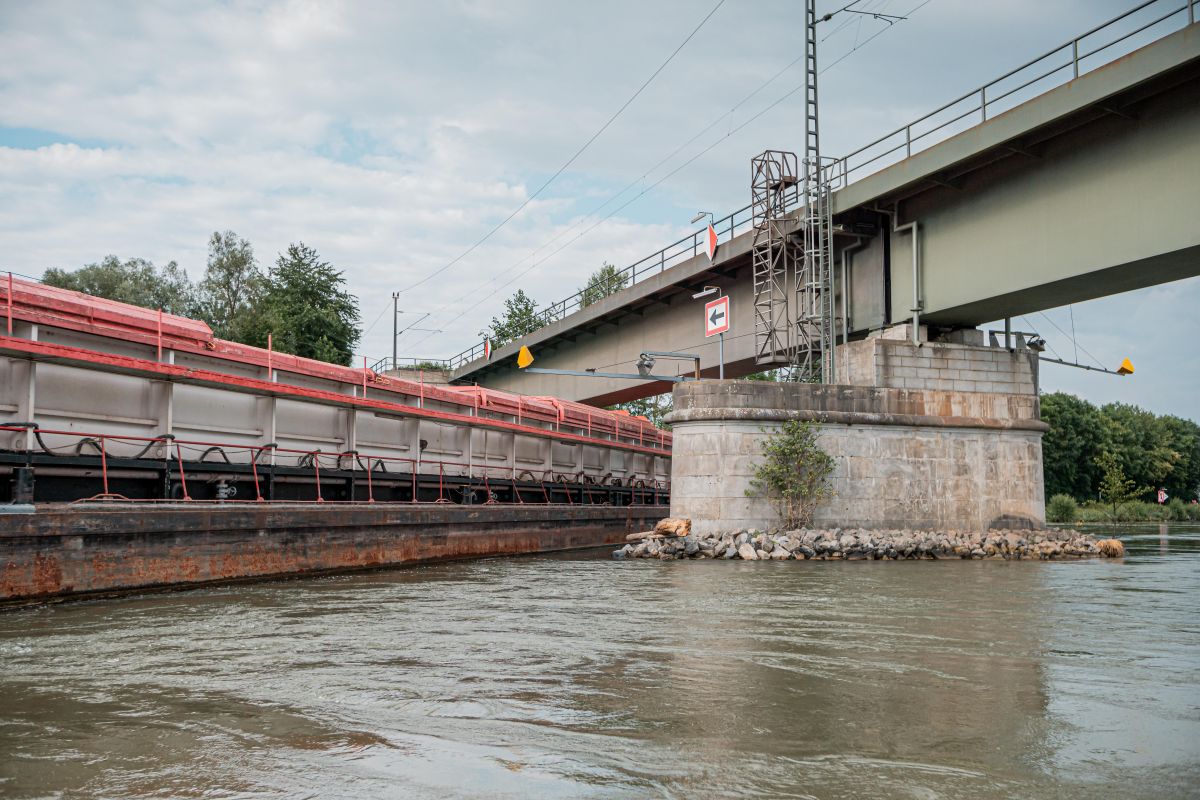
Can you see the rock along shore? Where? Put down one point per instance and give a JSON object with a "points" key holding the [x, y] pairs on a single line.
{"points": [[838, 544]]}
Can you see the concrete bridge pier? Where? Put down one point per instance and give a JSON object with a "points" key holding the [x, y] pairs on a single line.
{"points": [[942, 435]]}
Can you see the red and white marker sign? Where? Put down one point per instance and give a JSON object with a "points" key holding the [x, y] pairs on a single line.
{"points": [[1162, 496], [716, 316], [710, 241]]}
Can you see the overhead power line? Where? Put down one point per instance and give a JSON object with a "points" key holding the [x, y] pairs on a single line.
{"points": [[640, 179], [661, 180], [1073, 340], [570, 160]]}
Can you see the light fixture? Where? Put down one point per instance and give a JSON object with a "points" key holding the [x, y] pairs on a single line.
{"points": [[701, 215], [1037, 344], [645, 365], [706, 292]]}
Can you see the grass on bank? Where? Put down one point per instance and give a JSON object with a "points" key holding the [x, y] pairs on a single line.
{"points": [[1064, 508]]}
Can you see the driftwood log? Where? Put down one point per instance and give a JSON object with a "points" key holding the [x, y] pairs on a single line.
{"points": [[637, 537], [673, 526]]}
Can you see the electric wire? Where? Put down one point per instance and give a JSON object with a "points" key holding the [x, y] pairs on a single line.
{"points": [[667, 176], [589, 215], [382, 311], [848, 21], [870, 38], [1033, 327], [727, 114], [1072, 309], [1099, 363], [570, 160]]}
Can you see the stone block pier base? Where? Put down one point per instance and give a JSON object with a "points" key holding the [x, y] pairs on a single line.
{"points": [[905, 457]]}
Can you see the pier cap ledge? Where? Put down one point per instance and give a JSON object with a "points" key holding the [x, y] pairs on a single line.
{"points": [[749, 401]]}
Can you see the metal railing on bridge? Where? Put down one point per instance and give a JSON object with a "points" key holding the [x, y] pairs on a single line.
{"points": [[653, 264], [1088, 51], [389, 364]]}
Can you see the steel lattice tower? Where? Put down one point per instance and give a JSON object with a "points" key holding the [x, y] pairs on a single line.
{"points": [[773, 178], [814, 332]]}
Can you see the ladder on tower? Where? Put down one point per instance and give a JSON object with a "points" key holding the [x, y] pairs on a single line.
{"points": [[773, 184]]}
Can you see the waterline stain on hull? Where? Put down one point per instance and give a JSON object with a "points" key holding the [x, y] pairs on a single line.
{"points": [[62, 551]]}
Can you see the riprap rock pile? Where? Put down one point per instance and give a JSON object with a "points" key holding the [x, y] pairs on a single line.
{"points": [[869, 544]]}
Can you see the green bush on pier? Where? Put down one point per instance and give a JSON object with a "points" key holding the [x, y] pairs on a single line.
{"points": [[794, 474]]}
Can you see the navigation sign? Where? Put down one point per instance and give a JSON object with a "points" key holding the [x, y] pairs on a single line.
{"points": [[1162, 496], [710, 241], [524, 357], [716, 316]]}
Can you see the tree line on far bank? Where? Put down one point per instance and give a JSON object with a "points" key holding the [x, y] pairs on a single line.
{"points": [[300, 301], [1087, 444]]}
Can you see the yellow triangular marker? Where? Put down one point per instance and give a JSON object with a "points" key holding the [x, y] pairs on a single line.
{"points": [[1126, 368], [525, 358]]}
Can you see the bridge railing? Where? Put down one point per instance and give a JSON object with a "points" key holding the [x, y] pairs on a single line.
{"points": [[1094, 48], [654, 264], [1089, 50], [388, 363]]}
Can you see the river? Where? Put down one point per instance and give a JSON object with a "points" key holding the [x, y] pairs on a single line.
{"points": [[584, 677]]}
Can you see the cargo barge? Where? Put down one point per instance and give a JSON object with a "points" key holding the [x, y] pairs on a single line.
{"points": [[113, 412]]}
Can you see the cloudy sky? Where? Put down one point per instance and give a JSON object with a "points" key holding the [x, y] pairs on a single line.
{"points": [[392, 136]]}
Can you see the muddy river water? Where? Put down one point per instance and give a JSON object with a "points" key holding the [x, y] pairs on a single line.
{"points": [[584, 677]]}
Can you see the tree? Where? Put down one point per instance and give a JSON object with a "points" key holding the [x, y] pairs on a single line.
{"points": [[1184, 480], [136, 281], [1078, 434], [653, 408], [794, 473], [1141, 444], [232, 288], [306, 308], [520, 318], [603, 282], [1150, 450], [1115, 488]]}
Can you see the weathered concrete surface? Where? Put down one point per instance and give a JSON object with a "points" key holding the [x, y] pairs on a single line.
{"points": [[68, 550], [891, 361], [904, 458]]}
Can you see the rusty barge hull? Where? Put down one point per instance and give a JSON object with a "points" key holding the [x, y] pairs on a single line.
{"points": [[88, 549]]}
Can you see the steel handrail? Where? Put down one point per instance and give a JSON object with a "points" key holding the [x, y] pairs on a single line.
{"points": [[657, 262], [387, 362], [842, 168], [980, 92]]}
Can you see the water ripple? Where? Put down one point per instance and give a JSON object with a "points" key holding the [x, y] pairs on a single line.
{"points": [[584, 677]]}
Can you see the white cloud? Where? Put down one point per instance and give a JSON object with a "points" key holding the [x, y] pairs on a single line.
{"points": [[391, 136]]}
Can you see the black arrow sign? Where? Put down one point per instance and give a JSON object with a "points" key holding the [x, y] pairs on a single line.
{"points": [[718, 313]]}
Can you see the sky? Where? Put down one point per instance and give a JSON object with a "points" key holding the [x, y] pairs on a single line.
{"points": [[393, 136]]}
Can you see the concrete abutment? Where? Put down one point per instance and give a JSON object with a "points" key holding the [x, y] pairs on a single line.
{"points": [[942, 435]]}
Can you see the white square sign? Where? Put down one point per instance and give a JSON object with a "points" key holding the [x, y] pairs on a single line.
{"points": [[716, 316]]}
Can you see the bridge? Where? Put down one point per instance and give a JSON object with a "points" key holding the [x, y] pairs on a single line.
{"points": [[1011, 199]]}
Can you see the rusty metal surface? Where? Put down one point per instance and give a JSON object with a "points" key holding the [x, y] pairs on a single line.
{"points": [[67, 550]]}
